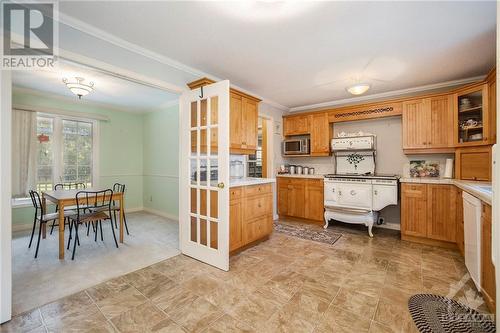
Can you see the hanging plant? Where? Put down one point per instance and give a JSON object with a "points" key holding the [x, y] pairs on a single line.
{"points": [[355, 159]]}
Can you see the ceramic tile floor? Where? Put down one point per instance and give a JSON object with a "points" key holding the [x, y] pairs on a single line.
{"points": [[152, 239], [281, 285]]}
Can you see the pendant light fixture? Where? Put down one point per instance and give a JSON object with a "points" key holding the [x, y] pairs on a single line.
{"points": [[78, 86]]}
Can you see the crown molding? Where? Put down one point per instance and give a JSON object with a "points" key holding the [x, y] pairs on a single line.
{"points": [[117, 41], [394, 93]]}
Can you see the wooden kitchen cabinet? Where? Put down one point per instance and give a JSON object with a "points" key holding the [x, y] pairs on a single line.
{"points": [[428, 125], [414, 210], [243, 121], [441, 212], [473, 163], [471, 104], [428, 213], [487, 268], [301, 198], [296, 125], [320, 134], [250, 214]]}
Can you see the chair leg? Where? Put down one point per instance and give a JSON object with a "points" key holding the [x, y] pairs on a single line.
{"points": [[74, 243], [32, 232], [88, 228], [69, 238], [100, 227], [125, 221], [52, 227], [38, 241], [114, 235], [96, 231], [114, 215]]}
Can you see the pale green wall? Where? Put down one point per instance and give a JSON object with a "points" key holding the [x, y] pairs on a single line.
{"points": [[120, 148], [161, 161]]}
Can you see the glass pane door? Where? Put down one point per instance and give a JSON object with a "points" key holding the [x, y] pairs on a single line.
{"points": [[204, 202]]}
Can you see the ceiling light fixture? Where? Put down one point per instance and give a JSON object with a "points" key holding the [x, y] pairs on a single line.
{"points": [[78, 87], [358, 88]]}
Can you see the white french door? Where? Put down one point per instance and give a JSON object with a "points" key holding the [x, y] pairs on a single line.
{"points": [[204, 174]]}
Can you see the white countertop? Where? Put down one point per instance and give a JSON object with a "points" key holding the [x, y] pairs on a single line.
{"points": [[246, 181], [481, 190], [315, 176]]}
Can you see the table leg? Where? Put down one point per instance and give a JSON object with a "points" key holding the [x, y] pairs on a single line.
{"points": [[122, 204], [44, 225], [61, 230]]}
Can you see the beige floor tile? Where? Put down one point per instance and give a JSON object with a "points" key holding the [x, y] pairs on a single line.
{"points": [[202, 284], [167, 326], [376, 327], [88, 319], [197, 315], [138, 319], [26, 322], [227, 324], [107, 288], [285, 284], [339, 320], [391, 315], [119, 302], [356, 302], [289, 319], [172, 299], [226, 296], [256, 309], [66, 307]]}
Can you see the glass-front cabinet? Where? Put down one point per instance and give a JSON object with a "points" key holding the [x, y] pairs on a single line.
{"points": [[472, 116]]}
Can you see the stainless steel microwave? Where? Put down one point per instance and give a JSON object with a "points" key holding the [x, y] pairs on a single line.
{"points": [[296, 147]]}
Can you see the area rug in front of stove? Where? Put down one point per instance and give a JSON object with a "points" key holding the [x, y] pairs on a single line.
{"points": [[304, 232], [438, 314]]}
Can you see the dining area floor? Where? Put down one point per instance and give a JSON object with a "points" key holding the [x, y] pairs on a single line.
{"points": [[42, 280]]}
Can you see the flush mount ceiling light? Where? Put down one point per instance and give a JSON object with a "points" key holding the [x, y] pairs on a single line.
{"points": [[78, 87], [358, 88], [264, 10]]}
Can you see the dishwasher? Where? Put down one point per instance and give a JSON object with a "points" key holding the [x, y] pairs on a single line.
{"points": [[472, 233]]}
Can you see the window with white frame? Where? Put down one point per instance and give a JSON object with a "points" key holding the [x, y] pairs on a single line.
{"points": [[66, 151]]}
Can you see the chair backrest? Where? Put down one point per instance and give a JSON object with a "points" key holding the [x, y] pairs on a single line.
{"points": [[117, 187], [70, 186], [93, 199], [37, 203]]}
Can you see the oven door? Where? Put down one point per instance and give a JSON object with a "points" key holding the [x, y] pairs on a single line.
{"points": [[293, 147], [353, 195]]}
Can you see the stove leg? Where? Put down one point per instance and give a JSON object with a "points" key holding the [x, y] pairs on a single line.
{"points": [[370, 226], [326, 221]]}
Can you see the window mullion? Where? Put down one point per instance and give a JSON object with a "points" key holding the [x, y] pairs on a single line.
{"points": [[58, 151]]}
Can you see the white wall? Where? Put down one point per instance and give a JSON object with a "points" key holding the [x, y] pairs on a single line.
{"points": [[5, 197]]}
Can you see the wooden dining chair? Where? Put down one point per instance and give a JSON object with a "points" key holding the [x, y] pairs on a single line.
{"points": [[92, 207], [41, 217], [66, 186], [117, 187]]}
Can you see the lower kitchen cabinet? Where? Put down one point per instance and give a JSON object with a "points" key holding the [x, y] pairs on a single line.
{"points": [[250, 214], [301, 198], [460, 222], [428, 213], [487, 267]]}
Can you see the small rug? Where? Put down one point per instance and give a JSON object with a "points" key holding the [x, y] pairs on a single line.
{"points": [[305, 232], [438, 314]]}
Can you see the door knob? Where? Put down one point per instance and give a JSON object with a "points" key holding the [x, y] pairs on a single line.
{"points": [[220, 185]]}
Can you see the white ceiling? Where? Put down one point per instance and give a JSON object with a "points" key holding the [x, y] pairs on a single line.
{"points": [[307, 53], [109, 91]]}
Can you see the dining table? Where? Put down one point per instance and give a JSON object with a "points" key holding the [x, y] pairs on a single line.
{"points": [[65, 198]]}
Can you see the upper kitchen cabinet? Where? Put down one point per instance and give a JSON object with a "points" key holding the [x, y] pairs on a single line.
{"points": [[471, 116], [243, 120], [316, 125], [320, 134], [473, 163], [296, 125], [428, 125]]}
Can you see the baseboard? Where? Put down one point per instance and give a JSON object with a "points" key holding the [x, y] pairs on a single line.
{"points": [[160, 213], [428, 241], [392, 226]]}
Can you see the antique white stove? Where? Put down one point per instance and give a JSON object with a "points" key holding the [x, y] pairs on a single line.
{"points": [[355, 193]]}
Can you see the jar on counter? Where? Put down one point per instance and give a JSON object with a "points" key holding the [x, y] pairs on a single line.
{"points": [[299, 169], [311, 171], [305, 171], [291, 169]]}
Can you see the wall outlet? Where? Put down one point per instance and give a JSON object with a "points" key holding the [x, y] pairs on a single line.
{"points": [[381, 220]]}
